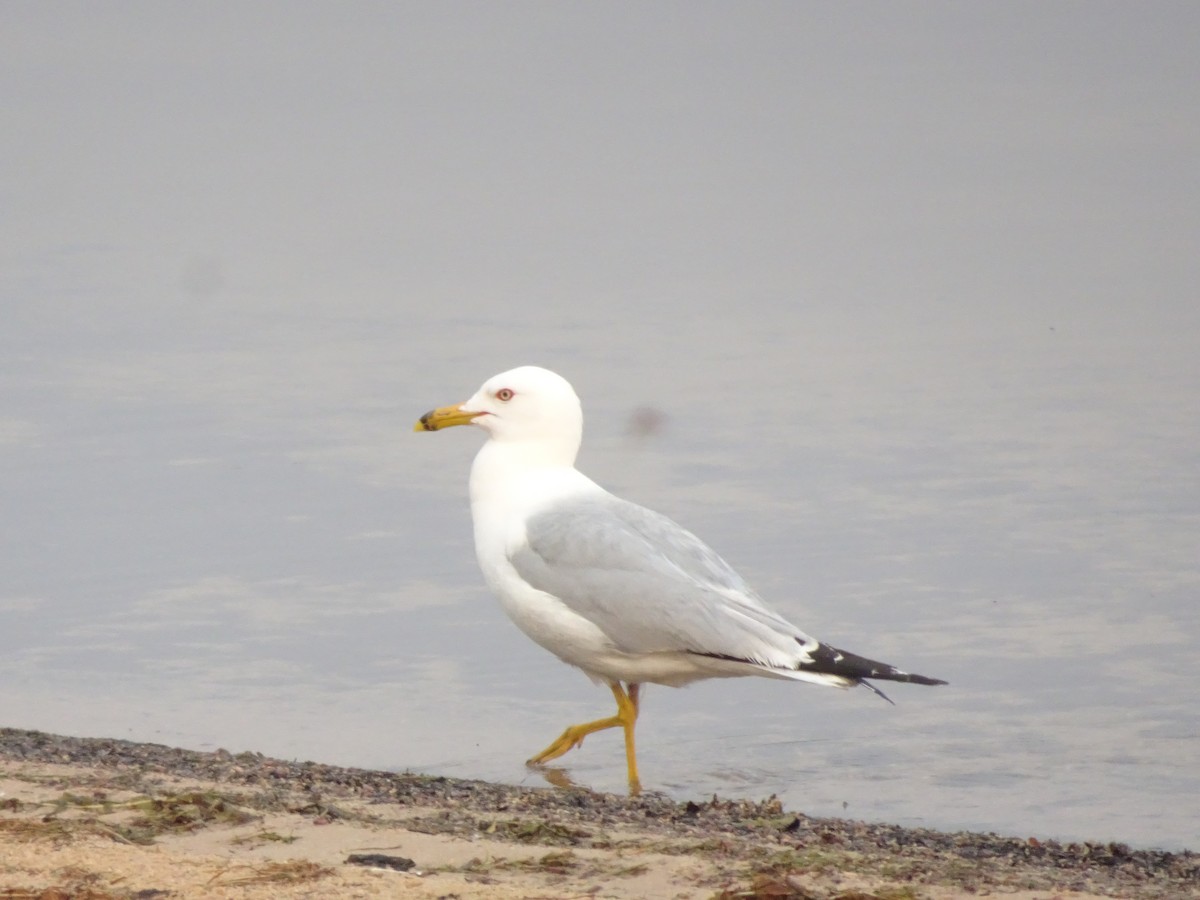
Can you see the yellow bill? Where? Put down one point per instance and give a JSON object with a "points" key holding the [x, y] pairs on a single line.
{"points": [[445, 417]]}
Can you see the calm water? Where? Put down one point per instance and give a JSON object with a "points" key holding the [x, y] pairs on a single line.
{"points": [[233, 539], [911, 295]]}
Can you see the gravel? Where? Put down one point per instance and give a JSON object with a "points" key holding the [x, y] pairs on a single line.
{"points": [[759, 833]]}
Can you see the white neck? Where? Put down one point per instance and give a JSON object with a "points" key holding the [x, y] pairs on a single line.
{"points": [[511, 475]]}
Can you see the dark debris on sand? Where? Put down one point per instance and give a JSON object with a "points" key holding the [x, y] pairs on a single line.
{"points": [[756, 833]]}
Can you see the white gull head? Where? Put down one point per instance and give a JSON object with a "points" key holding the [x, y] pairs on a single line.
{"points": [[533, 407]]}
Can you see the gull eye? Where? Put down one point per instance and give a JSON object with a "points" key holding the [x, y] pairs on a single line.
{"points": [[504, 394]]}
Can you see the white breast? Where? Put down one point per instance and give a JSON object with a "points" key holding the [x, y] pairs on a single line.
{"points": [[503, 496]]}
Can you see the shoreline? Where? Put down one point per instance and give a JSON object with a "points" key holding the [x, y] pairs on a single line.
{"points": [[103, 809]]}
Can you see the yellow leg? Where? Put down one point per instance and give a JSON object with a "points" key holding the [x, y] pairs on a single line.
{"points": [[626, 718], [635, 783]]}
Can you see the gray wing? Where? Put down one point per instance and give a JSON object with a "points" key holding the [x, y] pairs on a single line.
{"points": [[650, 585]]}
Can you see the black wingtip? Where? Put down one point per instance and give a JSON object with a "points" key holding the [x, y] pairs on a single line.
{"points": [[832, 661], [922, 679]]}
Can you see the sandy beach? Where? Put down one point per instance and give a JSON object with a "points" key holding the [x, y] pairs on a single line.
{"points": [[98, 819]]}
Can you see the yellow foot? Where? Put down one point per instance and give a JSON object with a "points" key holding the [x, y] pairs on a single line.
{"points": [[626, 718], [572, 738]]}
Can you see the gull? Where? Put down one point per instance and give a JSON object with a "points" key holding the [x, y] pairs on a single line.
{"points": [[613, 588]]}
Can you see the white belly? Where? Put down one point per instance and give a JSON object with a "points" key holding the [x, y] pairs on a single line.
{"points": [[576, 641]]}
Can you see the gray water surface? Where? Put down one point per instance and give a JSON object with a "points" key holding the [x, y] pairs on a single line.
{"points": [[916, 326]]}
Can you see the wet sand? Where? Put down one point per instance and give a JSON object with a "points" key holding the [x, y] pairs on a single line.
{"points": [[96, 819]]}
